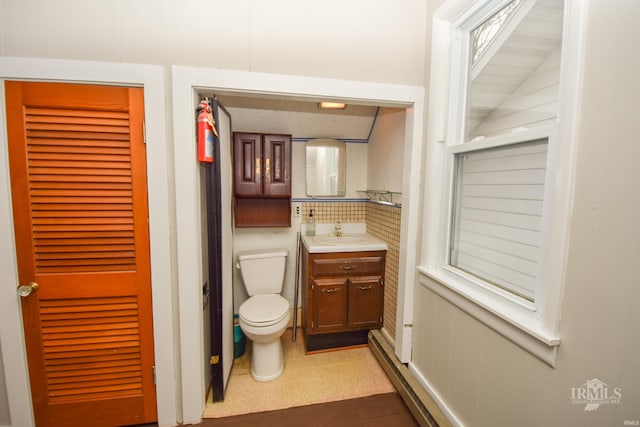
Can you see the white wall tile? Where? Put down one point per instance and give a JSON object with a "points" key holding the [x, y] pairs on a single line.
{"points": [[443, 323], [537, 389], [352, 40], [386, 150], [499, 376], [335, 34], [298, 171], [97, 25], [25, 28], [289, 38], [142, 33], [2, 30], [234, 32], [630, 376], [5, 418], [379, 54], [259, 28], [62, 25], [319, 48], [405, 35], [209, 38], [356, 169], [466, 359], [180, 32], [423, 342]]}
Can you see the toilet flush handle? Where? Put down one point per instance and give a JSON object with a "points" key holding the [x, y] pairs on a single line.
{"points": [[237, 265]]}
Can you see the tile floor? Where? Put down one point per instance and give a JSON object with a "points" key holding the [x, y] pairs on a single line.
{"points": [[307, 379]]}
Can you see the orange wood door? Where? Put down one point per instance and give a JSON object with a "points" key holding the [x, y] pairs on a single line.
{"points": [[79, 192]]}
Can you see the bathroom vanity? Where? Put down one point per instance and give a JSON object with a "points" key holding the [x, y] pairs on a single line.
{"points": [[342, 289]]}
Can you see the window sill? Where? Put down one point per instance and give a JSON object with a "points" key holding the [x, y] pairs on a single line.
{"points": [[521, 329]]}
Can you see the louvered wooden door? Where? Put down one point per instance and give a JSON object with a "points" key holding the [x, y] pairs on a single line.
{"points": [[78, 182]]}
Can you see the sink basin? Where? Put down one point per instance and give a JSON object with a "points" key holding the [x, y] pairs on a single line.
{"points": [[326, 241], [339, 240]]}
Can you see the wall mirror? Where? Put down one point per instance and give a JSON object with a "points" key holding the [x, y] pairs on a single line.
{"points": [[326, 167]]}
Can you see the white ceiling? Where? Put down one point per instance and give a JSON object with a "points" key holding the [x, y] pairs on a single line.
{"points": [[299, 118], [282, 104]]}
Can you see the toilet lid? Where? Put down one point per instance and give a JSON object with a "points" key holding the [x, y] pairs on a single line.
{"points": [[264, 310]]}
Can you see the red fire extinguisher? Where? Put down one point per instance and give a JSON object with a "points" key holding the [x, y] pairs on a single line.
{"points": [[206, 130]]}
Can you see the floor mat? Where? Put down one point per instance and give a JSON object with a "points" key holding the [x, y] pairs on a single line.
{"points": [[307, 379]]}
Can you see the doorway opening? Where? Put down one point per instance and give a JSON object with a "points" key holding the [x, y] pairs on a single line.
{"points": [[409, 160]]}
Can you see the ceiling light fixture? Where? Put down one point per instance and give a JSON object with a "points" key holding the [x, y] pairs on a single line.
{"points": [[334, 105]]}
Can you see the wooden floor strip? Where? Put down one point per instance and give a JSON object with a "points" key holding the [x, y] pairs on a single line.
{"points": [[386, 410], [378, 410]]}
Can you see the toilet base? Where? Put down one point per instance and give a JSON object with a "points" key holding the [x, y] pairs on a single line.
{"points": [[267, 360]]}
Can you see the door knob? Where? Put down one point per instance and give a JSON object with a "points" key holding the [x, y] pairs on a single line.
{"points": [[26, 290]]}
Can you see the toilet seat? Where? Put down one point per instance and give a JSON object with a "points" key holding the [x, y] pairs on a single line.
{"points": [[264, 310]]}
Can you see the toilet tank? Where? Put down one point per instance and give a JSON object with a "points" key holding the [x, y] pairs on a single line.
{"points": [[262, 270]]}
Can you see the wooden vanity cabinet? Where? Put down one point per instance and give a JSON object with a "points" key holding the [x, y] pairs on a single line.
{"points": [[262, 180], [342, 297]]}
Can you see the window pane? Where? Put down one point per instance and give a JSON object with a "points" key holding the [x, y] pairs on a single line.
{"points": [[497, 218], [484, 34], [515, 70]]}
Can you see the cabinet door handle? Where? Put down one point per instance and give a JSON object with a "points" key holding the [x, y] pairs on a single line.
{"points": [[349, 267], [365, 288], [330, 291]]}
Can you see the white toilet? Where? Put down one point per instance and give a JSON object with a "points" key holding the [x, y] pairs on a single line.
{"points": [[265, 315]]}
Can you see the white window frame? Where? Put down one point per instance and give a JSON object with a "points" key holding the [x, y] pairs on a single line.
{"points": [[549, 133], [533, 326]]}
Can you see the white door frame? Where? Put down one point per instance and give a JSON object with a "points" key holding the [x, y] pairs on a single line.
{"points": [[159, 182], [185, 83]]}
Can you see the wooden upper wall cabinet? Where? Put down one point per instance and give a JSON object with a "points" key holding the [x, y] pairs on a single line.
{"points": [[262, 180], [247, 164], [262, 165]]}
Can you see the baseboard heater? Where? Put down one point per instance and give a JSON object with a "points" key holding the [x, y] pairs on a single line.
{"points": [[413, 394]]}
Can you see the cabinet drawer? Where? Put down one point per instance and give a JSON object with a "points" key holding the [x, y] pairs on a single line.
{"points": [[359, 265]]}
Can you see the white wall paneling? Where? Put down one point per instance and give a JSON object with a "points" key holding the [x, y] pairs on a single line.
{"points": [[352, 40]]}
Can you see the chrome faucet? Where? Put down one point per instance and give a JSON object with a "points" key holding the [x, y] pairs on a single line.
{"points": [[338, 229]]}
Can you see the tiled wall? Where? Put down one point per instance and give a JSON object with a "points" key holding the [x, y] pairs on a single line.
{"points": [[325, 212], [383, 222]]}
